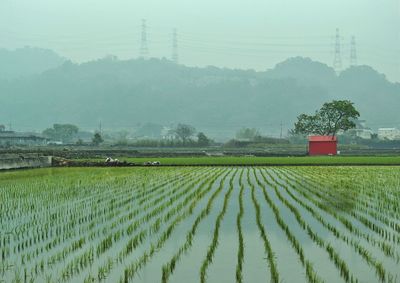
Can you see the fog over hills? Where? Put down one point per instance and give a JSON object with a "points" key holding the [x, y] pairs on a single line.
{"points": [[27, 61], [122, 94]]}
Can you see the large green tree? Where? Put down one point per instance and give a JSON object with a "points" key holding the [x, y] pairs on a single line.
{"points": [[97, 139], [332, 117], [184, 132], [202, 139], [247, 133], [61, 132]]}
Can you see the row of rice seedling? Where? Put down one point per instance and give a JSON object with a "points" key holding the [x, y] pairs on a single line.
{"points": [[338, 261], [110, 225], [169, 267], [372, 197], [361, 250], [81, 230], [214, 243], [114, 236], [239, 217], [310, 272], [358, 207], [53, 224], [311, 193], [366, 208], [364, 251], [133, 268], [263, 234], [174, 209], [145, 229], [102, 213], [75, 259], [65, 252]]}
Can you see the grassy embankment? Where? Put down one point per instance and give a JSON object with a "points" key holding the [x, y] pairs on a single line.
{"points": [[308, 160]]}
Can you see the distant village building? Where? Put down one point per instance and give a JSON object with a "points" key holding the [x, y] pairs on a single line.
{"points": [[167, 133], [365, 134], [390, 134], [361, 124], [362, 131], [11, 138]]}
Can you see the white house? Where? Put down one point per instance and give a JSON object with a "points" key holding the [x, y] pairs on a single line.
{"points": [[9, 138], [389, 134], [167, 133], [364, 133]]}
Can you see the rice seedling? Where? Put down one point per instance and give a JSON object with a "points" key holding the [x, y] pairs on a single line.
{"points": [[109, 224], [169, 267], [382, 274], [214, 243], [240, 256], [263, 234]]}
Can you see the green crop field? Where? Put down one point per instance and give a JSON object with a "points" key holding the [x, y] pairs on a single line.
{"points": [[252, 160], [201, 224]]}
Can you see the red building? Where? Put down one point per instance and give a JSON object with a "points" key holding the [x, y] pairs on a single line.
{"points": [[322, 145]]}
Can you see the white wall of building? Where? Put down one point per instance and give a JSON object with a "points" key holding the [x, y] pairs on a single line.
{"points": [[389, 134]]}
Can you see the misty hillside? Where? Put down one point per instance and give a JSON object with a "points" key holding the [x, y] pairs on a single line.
{"points": [[219, 101], [27, 61]]}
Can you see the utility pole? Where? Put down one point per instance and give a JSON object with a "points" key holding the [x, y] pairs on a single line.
{"points": [[10, 127], [144, 50], [281, 129], [100, 128], [175, 46], [337, 61], [353, 52]]}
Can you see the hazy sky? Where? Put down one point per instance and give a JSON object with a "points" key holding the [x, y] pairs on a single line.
{"points": [[229, 33]]}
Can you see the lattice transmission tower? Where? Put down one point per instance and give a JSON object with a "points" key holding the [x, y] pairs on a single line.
{"points": [[337, 60], [175, 56], [144, 49], [353, 52]]}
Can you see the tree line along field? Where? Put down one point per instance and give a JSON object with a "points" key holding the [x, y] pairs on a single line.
{"points": [[200, 224]]}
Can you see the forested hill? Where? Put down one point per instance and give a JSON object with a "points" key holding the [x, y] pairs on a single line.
{"points": [[27, 61], [219, 101]]}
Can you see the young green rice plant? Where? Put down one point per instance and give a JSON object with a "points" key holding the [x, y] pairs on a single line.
{"points": [[106, 246], [240, 257], [50, 218], [36, 251], [131, 270], [311, 274], [335, 199], [342, 186], [138, 239], [214, 243], [104, 270], [387, 248], [169, 267], [380, 271], [339, 262], [263, 234]]}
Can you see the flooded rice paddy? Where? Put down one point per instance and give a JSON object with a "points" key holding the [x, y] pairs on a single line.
{"points": [[201, 224]]}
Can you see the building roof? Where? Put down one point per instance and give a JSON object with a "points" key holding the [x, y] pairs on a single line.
{"points": [[322, 138], [15, 135]]}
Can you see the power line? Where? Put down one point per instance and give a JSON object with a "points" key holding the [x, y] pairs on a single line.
{"points": [[337, 61]]}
